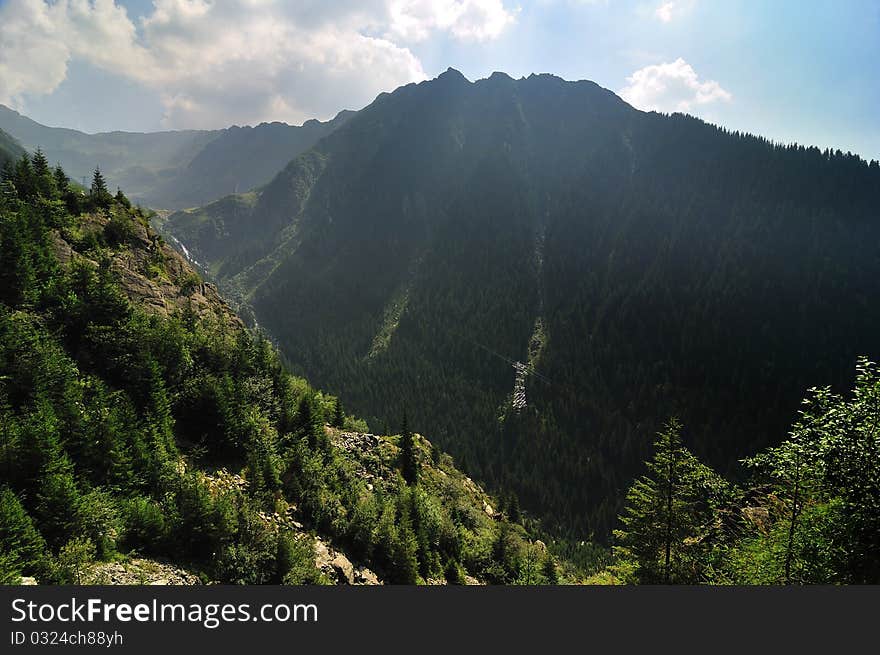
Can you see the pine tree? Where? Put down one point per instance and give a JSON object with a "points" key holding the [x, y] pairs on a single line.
{"points": [[99, 196], [99, 186], [513, 510], [122, 199], [7, 173], [57, 500], [24, 178], [665, 513], [409, 466], [40, 163], [18, 536], [161, 420], [62, 182], [308, 421], [44, 179], [505, 555], [548, 570], [338, 414], [404, 553]]}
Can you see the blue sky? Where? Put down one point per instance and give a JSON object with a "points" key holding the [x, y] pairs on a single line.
{"points": [[793, 71]]}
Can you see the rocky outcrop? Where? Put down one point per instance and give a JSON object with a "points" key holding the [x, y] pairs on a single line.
{"points": [[339, 569], [153, 274], [365, 450], [139, 572], [333, 563]]}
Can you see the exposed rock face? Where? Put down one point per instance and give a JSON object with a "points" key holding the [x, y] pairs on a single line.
{"points": [[62, 249], [366, 451], [331, 562], [338, 568], [153, 274], [139, 572]]}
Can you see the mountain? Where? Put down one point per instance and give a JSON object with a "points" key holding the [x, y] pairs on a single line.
{"points": [[146, 434], [241, 158], [9, 149], [171, 170], [640, 265]]}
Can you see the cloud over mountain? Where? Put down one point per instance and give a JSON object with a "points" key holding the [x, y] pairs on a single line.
{"points": [[670, 87], [216, 63]]}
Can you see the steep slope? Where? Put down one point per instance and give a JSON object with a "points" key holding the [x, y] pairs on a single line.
{"points": [[139, 418], [173, 169], [239, 159], [9, 149], [642, 265]]}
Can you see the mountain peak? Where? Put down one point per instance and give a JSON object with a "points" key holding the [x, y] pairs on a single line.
{"points": [[500, 76], [451, 74]]}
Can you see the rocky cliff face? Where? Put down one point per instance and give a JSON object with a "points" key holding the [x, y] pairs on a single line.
{"points": [[154, 275]]}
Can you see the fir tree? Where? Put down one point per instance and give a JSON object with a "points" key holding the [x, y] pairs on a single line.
{"points": [[665, 513], [338, 414], [409, 466], [548, 570], [44, 179], [18, 536], [122, 199], [62, 182], [24, 178], [99, 186], [40, 163], [99, 196], [7, 173]]}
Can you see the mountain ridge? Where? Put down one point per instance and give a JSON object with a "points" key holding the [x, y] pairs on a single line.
{"points": [[177, 168], [448, 188], [141, 419]]}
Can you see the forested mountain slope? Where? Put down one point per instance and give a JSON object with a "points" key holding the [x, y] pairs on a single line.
{"points": [[173, 169], [642, 265], [10, 151], [139, 418]]}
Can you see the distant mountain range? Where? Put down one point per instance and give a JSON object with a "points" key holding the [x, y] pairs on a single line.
{"points": [[639, 265], [173, 170]]}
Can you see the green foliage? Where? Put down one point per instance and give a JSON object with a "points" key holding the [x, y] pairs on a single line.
{"points": [[190, 282], [21, 545], [119, 231], [549, 571], [9, 571], [338, 415], [296, 562], [808, 515], [647, 265], [111, 418], [669, 512], [73, 560], [145, 528], [827, 473], [99, 196], [98, 519], [409, 464]]}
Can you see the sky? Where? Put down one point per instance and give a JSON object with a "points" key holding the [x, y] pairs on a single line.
{"points": [[791, 70]]}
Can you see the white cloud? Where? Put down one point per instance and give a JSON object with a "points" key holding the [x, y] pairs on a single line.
{"points": [[214, 63], [664, 11], [32, 57], [667, 11], [468, 20], [672, 86]]}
